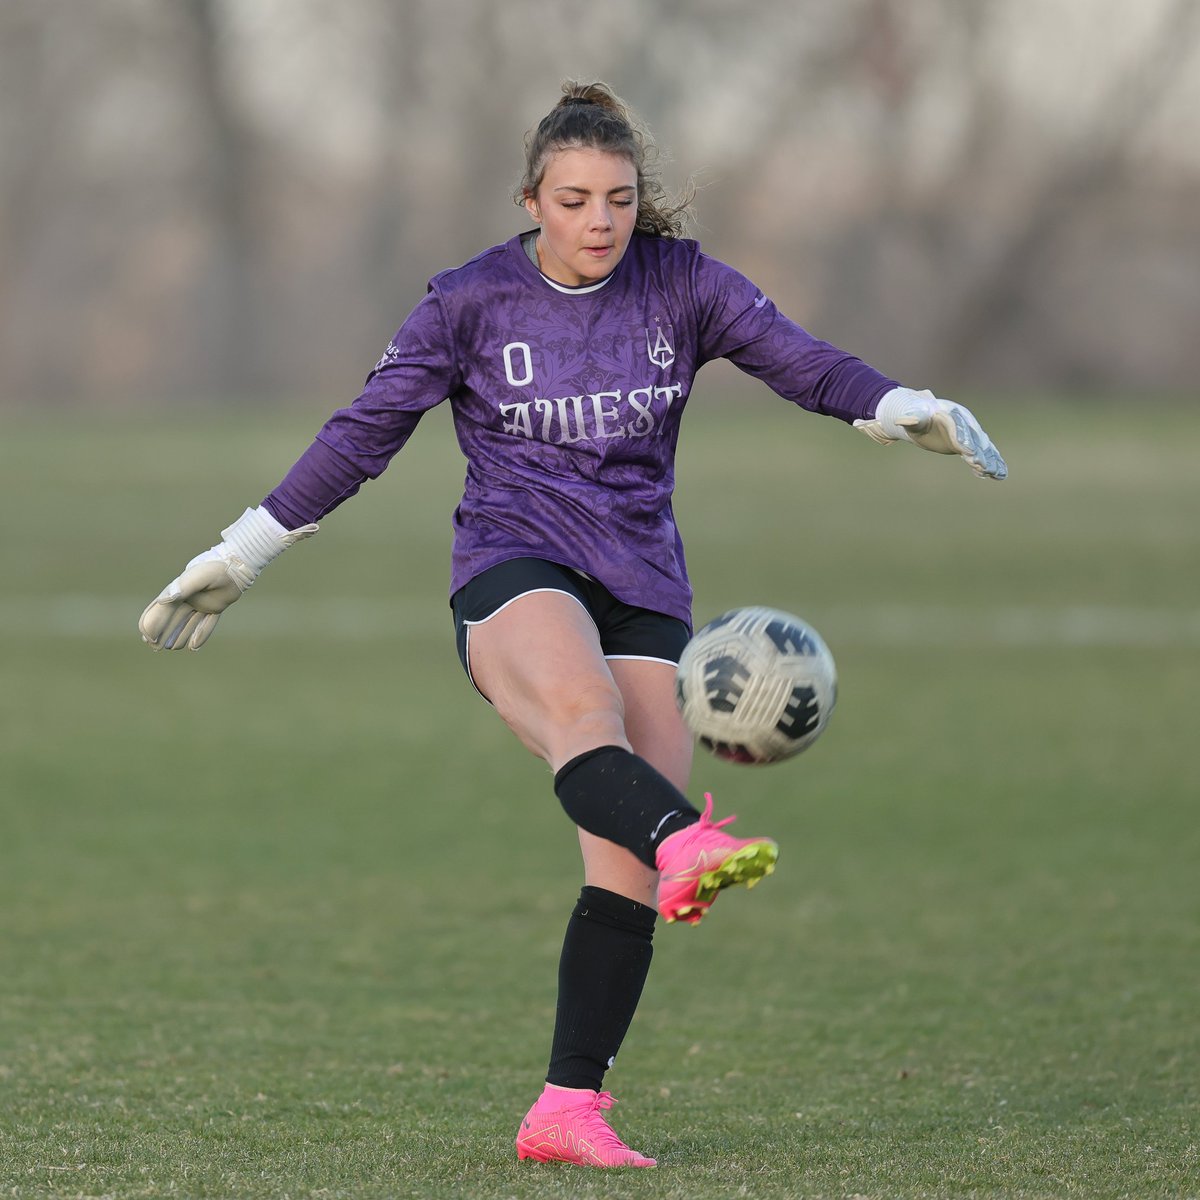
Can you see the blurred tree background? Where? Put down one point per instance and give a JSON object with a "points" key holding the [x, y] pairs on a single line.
{"points": [[215, 198]]}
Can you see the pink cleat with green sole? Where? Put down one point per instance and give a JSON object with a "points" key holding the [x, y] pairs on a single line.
{"points": [[697, 862], [566, 1125]]}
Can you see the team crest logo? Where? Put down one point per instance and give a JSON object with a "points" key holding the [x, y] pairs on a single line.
{"points": [[659, 346]]}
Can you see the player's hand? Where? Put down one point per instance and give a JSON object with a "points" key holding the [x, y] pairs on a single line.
{"points": [[185, 612], [938, 425]]}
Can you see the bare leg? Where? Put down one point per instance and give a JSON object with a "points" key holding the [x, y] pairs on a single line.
{"points": [[539, 662]]}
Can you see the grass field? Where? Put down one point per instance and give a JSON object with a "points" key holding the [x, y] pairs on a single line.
{"points": [[282, 918]]}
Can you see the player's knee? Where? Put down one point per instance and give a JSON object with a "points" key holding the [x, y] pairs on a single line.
{"points": [[586, 714], [560, 721], [583, 714], [585, 701]]}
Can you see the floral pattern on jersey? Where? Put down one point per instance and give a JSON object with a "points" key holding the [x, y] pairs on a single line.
{"points": [[567, 406]]}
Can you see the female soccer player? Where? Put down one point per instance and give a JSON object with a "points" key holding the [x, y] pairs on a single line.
{"points": [[568, 354]]}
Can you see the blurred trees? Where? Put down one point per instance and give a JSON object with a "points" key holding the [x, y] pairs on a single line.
{"points": [[245, 197]]}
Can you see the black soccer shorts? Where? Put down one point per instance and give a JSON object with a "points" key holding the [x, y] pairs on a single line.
{"points": [[625, 630]]}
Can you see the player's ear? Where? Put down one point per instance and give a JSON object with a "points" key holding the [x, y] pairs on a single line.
{"points": [[531, 207]]}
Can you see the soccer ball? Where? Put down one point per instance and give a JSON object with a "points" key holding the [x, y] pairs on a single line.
{"points": [[756, 685]]}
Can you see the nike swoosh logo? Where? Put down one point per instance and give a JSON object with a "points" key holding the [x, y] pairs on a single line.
{"points": [[760, 302]]}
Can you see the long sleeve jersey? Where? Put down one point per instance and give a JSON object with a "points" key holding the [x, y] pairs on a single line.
{"points": [[567, 405]]}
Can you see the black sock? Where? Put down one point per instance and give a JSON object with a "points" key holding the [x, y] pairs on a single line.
{"points": [[617, 795], [605, 956]]}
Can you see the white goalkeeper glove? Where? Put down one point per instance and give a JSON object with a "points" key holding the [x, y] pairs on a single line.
{"points": [[185, 612], [942, 426]]}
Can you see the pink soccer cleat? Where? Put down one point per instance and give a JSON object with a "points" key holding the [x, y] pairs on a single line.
{"points": [[565, 1125], [697, 862]]}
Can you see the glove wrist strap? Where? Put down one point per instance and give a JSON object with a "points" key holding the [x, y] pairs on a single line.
{"points": [[899, 402], [255, 537]]}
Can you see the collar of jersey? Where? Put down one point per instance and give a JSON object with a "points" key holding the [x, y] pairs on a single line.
{"points": [[576, 291]]}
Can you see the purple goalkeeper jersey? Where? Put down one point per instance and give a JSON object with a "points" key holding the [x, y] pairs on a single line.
{"points": [[567, 404]]}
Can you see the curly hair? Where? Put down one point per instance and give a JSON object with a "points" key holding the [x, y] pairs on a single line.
{"points": [[592, 116]]}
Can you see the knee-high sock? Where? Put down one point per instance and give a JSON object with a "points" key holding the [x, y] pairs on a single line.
{"points": [[618, 795], [605, 957]]}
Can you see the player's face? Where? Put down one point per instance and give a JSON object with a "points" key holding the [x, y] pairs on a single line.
{"points": [[587, 208]]}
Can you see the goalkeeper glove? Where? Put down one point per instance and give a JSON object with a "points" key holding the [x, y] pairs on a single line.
{"points": [[185, 612], [903, 415]]}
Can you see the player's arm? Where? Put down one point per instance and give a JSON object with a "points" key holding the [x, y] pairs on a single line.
{"points": [[355, 444], [185, 612], [942, 426]]}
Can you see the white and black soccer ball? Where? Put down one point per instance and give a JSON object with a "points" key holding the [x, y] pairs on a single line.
{"points": [[756, 685]]}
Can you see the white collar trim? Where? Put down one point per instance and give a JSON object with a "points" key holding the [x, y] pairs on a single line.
{"points": [[575, 291]]}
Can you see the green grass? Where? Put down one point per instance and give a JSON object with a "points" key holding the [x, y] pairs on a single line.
{"points": [[282, 918]]}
